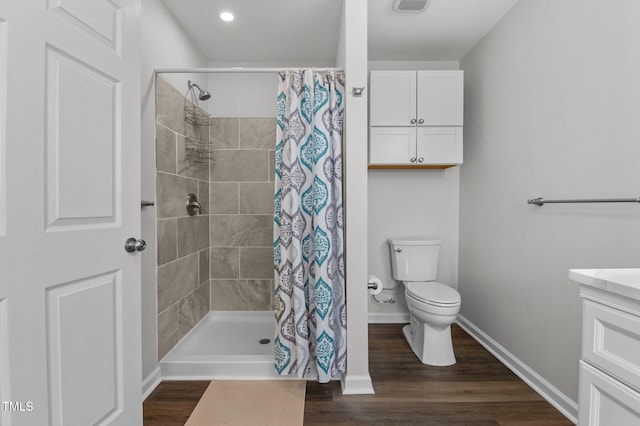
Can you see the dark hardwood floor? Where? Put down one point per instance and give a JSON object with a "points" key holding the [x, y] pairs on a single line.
{"points": [[478, 390]]}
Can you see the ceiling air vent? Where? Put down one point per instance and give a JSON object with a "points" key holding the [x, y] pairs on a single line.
{"points": [[415, 6]]}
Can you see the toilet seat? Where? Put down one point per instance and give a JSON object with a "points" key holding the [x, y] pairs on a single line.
{"points": [[433, 293]]}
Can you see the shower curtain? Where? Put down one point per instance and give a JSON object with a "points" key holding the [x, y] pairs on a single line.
{"points": [[308, 229]]}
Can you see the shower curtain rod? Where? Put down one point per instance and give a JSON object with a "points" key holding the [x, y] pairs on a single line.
{"points": [[234, 70]]}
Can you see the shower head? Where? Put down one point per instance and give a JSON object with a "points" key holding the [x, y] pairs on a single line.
{"points": [[204, 95]]}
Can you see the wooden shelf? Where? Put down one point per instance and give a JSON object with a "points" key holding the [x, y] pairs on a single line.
{"points": [[409, 166]]}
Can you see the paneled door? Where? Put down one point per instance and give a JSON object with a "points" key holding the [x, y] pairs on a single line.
{"points": [[69, 198]]}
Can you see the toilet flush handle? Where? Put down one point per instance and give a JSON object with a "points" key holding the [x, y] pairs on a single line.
{"points": [[398, 249]]}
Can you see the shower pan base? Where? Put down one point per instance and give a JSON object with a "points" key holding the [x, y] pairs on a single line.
{"points": [[225, 345]]}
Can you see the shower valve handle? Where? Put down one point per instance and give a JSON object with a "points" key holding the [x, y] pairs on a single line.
{"points": [[193, 206]]}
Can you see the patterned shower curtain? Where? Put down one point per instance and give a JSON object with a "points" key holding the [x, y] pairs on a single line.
{"points": [[308, 230]]}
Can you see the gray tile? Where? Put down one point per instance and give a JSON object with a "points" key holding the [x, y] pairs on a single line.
{"points": [[272, 165], [203, 196], [256, 262], [256, 198], [176, 280], [193, 308], [169, 106], [245, 230], [223, 198], [225, 262], [193, 234], [165, 149], [239, 166], [240, 295], [167, 241], [204, 266], [167, 330], [272, 289], [171, 194], [224, 132], [258, 133], [188, 165]]}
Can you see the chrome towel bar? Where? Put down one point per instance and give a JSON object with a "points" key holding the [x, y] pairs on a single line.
{"points": [[541, 201]]}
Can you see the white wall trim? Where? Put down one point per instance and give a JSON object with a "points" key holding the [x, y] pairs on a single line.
{"points": [[151, 382], [553, 395], [388, 317], [356, 384]]}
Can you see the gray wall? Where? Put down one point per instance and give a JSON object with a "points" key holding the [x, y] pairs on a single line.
{"points": [[183, 240], [241, 181], [552, 98]]}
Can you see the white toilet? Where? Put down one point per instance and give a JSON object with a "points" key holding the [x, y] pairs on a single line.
{"points": [[432, 306]]}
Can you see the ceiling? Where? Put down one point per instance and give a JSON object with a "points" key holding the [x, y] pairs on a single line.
{"points": [[446, 30], [306, 31]]}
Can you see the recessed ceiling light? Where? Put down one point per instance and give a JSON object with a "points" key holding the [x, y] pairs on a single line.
{"points": [[227, 16]]}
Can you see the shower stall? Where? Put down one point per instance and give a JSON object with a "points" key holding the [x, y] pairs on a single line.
{"points": [[215, 267]]}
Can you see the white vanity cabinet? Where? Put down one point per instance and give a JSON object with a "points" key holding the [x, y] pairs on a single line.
{"points": [[415, 118], [609, 391]]}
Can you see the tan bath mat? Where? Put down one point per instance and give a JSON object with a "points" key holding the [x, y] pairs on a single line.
{"points": [[251, 402]]}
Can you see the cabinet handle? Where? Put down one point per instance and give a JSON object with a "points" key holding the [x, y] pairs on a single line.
{"points": [[421, 121], [413, 121], [420, 160], [413, 159]]}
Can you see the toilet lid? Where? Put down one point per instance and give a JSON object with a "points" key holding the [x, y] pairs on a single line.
{"points": [[433, 293]]}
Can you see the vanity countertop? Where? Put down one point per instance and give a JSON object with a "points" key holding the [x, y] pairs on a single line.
{"points": [[621, 281]]}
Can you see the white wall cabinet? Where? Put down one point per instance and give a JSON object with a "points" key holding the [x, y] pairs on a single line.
{"points": [[416, 118], [610, 366], [433, 146]]}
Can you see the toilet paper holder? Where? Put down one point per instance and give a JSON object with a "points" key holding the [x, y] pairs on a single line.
{"points": [[375, 287]]}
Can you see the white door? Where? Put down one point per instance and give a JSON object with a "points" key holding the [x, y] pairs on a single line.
{"points": [[69, 198], [392, 100]]}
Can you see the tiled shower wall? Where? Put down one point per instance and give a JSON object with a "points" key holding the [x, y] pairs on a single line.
{"points": [[241, 204], [183, 243], [221, 259]]}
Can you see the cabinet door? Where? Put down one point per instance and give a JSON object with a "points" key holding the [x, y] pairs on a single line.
{"points": [[392, 98], [440, 98], [392, 145], [439, 145], [604, 401]]}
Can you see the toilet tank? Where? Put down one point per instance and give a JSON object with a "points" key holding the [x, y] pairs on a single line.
{"points": [[414, 259]]}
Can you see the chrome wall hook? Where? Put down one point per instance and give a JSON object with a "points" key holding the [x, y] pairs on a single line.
{"points": [[357, 91]]}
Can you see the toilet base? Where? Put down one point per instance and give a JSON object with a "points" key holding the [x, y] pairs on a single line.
{"points": [[432, 346]]}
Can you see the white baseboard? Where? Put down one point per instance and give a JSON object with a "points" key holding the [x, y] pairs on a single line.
{"points": [[151, 382], [553, 395], [388, 318], [356, 384]]}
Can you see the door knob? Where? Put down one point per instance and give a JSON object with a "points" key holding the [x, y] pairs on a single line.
{"points": [[132, 245], [421, 121], [413, 121], [420, 160], [413, 159]]}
